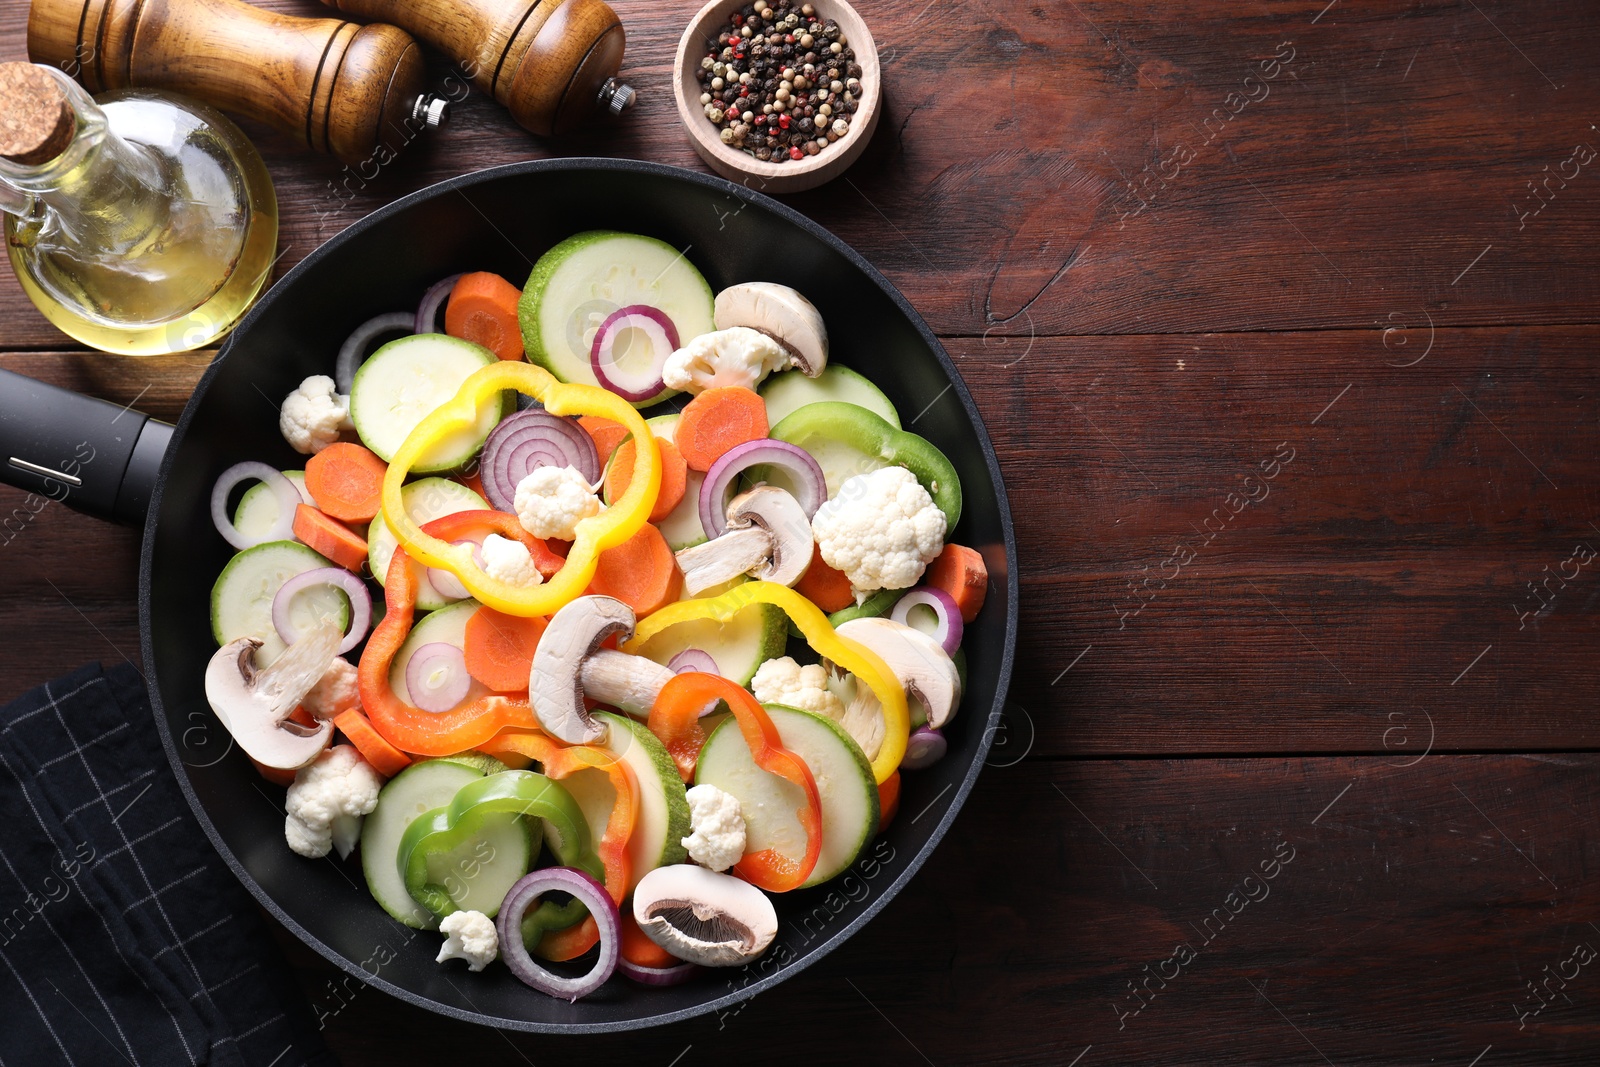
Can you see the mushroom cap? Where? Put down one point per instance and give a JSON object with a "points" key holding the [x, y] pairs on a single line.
{"points": [[918, 661], [782, 314], [716, 920], [254, 706], [555, 687], [778, 513]]}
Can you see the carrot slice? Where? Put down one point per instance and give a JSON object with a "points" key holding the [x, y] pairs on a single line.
{"points": [[888, 800], [825, 587], [959, 571], [359, 731], [638, 949], [346, 481], [717, 421], [674, 476], [327, 535], [641, 572], [607, 435], [483, 309], [499, 648]]}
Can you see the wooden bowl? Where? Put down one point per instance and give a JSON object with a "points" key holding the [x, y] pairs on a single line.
{"points": [[737, 165]]}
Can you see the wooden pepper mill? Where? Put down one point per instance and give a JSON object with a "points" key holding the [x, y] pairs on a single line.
{"points": [[333, 86], [552, 63]]}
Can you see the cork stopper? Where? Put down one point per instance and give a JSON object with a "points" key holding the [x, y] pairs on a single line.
{"points": [[36, 121]]}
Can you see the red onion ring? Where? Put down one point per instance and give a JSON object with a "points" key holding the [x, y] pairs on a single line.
{"points": [[523, 895], [450, 690], [810, 489], [657, 976], [283, 489], [526, 440], [342, 580], [354, 350], [925, 747], [427, 319], [637, 384], [693, 659], [447, 584], [949, 627]]}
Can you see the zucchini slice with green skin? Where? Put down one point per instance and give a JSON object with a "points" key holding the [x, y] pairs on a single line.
{"points": [[786, 392], [739, 646], [257, 512], [663, 820], [850, 806], [447, 626], [404, 381], [241, 599]]}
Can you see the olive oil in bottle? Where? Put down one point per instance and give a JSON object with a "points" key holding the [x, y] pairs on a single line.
{"points": [[141, 224]]}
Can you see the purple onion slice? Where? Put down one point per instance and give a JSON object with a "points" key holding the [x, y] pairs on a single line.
{"points": [[693, 659], [926, 747], [722, 480], [527, 440], [427, 320], [437, 678], [657, 976], [524, 895], [282, 488], [643, 381], [948, 626], [342, 580]]}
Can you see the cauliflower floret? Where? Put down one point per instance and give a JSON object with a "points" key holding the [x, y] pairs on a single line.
{"points": [[336, 691], [509, 561], [551, 501], [737, 356], [312, 416], [783, 681], [717, 838], [470, 936], [327, 800], [881, 529]]}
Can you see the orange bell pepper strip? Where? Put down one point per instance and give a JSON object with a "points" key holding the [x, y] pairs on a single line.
{"points": [[597, 533], [559, 761], [675, 718], [410, 729]]}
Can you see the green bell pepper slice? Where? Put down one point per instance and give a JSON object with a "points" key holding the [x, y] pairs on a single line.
{"points": [[846, 440], [507, 793]]}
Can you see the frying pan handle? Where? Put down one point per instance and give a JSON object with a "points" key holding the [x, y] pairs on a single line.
{"points": [[89, 454]]}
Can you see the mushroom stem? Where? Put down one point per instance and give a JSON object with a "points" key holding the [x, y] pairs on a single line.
{"points": [[631, 683], [724, 558]]}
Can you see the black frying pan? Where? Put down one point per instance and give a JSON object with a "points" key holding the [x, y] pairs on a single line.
{"points": [[498, 220]]}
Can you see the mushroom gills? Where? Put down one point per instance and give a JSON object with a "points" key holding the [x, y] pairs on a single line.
{"points": [[702, 923], [704, 917]]}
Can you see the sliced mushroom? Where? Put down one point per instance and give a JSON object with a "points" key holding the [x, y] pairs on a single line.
{"points": [[569, 664], [255, 705], [768, 537], [918, 661], [780, 313], [715, 920]]}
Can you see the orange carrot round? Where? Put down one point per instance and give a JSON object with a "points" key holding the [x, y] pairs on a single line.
{"points": [[638, 949], [674, 476], [960, 571], [358, 730], [346, 481], [888, 800], [641, 572], [825, 587], [483, 309], [499, 648], [717, 421], [327, 535], [607, 435]]}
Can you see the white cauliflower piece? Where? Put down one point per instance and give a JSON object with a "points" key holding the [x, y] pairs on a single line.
{"points": [[737, 356], [783, 681], [881, 529], [551, 501], [509, 561], [336, 691], [470, 936], [327, 800], [313, 415], [717, 836]]}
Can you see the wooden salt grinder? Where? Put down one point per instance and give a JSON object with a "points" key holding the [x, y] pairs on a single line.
{"points": [[333, 86], [552, 63]]}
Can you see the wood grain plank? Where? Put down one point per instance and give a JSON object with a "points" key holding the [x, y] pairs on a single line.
{"points": [[1403, 928]]}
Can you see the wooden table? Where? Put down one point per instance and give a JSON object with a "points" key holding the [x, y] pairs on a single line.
{"points": [[1284, 320]]}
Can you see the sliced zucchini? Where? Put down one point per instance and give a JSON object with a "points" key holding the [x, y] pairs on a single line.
{"points": [[663, 820], [258, 508], [447, 625], [785, 392], [418, 789], [241, 599], [404, 381], [739, 646]]}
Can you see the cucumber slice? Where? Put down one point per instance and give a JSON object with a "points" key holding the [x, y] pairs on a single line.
{"points": [[739, 646], [844, 781], [416, 790], [790, 390], [258, 508], [424, 500], [577, 284], [447, 625], [663, 820], [404, 381], [241, 599]]}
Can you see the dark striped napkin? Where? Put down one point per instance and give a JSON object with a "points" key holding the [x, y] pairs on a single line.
{"points": [[123, 936]]}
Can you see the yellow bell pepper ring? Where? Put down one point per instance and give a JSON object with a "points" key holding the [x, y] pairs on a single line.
{"points": [[595, 534], [813, 625]]}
